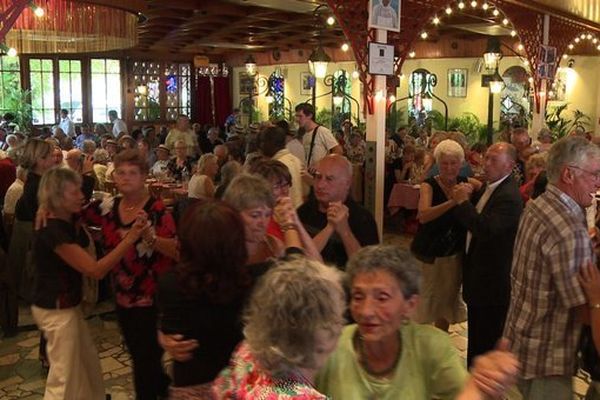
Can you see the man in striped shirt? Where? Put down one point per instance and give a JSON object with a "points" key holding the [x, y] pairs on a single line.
{"points": [[548, 303]]}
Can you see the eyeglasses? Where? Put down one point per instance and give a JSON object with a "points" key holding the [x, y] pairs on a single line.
{"points": [[595, 174]]}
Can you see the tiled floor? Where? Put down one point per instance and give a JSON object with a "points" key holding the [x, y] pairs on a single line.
{"points": [[21, 375]]}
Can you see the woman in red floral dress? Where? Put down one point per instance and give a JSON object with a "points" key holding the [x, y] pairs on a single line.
{"points": [[135, 277]]}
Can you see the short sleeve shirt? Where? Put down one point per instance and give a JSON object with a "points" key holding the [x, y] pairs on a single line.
{"points": [[56, 284], [324, 142], [136, 275]]}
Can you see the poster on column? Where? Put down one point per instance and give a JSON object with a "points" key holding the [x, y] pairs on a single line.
{"points": [[384, 14]]}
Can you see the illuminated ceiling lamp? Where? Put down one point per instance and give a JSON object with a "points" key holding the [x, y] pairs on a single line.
{"points": [[65, 26], [493, 54], [496, 82], [318, 62], [250, 65]]}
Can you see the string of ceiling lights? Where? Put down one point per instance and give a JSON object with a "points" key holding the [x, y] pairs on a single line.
{"points": [[11, 51]]}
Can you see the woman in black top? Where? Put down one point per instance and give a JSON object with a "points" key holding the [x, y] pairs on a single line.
{"points": [[439, 242], [60, 259], [37, 158], [202, 299]]}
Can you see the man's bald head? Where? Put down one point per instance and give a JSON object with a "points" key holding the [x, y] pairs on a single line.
{"points": [[333, 178], [499, 161]]}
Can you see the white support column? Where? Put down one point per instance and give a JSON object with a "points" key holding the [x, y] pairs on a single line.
{"points": [[376, 134], [539, 119]]}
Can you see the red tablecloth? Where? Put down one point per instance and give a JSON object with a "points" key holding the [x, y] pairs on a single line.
{"points": [[403, 196]]}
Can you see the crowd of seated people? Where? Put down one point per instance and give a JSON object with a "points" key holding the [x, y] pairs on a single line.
{"points": [[267, 279]]}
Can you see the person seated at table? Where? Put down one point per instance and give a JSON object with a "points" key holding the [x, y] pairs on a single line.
{"points": [[228, 171], [413, 164], [201, 300], [127, 142], [339, 226], [180, 165], [60, 260], [101, 159], [438, 241], [292, 323], [429, 147], [356, 148], [145, 148], [161, 166], [202, 183], [386, 356]]}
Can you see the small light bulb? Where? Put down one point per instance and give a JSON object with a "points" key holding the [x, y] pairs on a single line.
{"points": [[412, 54], [577, 40], [526, 63], [505, 21], [594, 40], [38, 11], [571, 46], [436, 21], [598, 47], [12, 52], [496, 12], [473, 4], [424, 35], [345, 47], [588, 36], [355, 74], [485, 6], [461, 5], [392, 98], [582, 36], [513, 33], [520, 47], [330, 20], [565, 56], [550, 93], [530, 80]]}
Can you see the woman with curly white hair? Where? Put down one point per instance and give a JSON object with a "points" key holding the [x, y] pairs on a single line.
{"points": [[438, 241], [292, 324]]}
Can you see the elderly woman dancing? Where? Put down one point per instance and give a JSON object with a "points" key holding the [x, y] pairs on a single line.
{"points": [[385, 356], [439, 240]]}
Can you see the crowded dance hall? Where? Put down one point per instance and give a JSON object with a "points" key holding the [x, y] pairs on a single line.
{"points": [[299, 199]]}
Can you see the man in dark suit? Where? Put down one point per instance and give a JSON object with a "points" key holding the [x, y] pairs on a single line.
{"points": [[492, 220]]}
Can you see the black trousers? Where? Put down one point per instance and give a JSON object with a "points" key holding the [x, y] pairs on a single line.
{"points": [[138, 326], [486, 324]]}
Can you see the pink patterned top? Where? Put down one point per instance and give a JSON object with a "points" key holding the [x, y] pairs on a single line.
{"points": [[244, 379]]}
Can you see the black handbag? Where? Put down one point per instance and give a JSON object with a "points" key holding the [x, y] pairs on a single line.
{"points": [[426, 248]]}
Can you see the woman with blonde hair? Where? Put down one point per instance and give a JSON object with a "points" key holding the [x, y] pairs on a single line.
{"points": [[60, 260], [202, 183]]}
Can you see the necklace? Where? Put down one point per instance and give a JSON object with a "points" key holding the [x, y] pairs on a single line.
{"points": [[364, 362]]}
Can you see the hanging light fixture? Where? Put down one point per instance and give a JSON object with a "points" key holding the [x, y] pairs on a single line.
{"points": [[493, 54], [250, 65], [318, 62], [496, 83]]}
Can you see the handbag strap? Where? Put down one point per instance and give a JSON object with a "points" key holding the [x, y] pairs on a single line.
{"points": [[312, 145]]}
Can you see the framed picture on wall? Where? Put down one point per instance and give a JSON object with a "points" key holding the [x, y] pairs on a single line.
{"points": [[247, 85], [307, 81], [457, 82]]}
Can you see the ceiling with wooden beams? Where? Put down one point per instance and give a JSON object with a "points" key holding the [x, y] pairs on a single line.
{"points": [[233, 27]]}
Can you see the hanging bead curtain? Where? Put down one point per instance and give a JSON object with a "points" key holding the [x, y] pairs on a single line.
{"points": [[72, 27]]}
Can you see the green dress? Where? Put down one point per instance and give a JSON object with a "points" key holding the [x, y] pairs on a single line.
{"points": [[429, 367]]}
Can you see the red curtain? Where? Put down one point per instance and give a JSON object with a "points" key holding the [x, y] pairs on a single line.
{"points": [[204, 104], [222, 99]]}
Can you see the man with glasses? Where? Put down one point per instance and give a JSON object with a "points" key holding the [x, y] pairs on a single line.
{"points": [[548, 303]]}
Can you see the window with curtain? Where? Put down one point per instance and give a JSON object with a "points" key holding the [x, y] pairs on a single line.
{"points": [[10, 84], [42, 91], [106, 88], [146, 78], [70, 93], [178, 88]]}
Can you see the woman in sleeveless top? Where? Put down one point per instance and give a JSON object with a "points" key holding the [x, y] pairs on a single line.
{"points": [[202, 184], [442, 238]]}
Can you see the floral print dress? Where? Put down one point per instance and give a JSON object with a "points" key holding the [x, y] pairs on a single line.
{"points": [[135, 277], [244, 379]]}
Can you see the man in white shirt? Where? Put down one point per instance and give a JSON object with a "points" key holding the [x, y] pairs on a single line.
{"points": [[66, 124], [318, 140], [384, 15], [118, 124], [183, 131]]}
